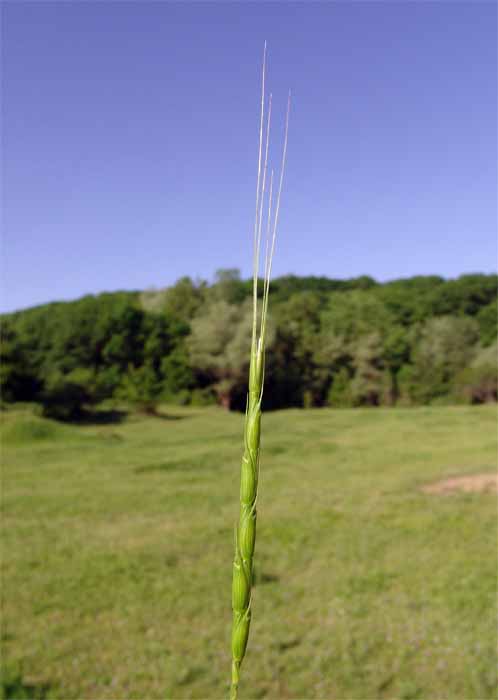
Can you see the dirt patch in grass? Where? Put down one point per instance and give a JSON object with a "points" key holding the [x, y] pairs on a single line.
{"points": [[475, 483]]}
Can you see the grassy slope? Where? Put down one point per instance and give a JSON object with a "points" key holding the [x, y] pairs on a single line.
{"points": [[117, 549]]}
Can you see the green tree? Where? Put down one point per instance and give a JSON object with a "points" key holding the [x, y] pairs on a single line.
{"points": [[369, 386], [406, 385], [322, 328], [396, 354], [340, 394], [445, 346], [218, 345], [18, 379], [356, 313], [298, 325], [408, 300], [358, 337], [158, 340], [184, 299], [178, 375], [463, 296], [478, 383], [228, 287], [487, 319], [141, 388], [64, 395]]}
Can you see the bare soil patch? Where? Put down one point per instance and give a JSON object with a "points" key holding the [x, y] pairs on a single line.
{"points": [[474, 483]]}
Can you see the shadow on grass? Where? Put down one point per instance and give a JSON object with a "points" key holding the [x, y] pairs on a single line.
{"points": [[200, 463], [14, 687], [115, 416], [167, 416], [261, 578], [162, 467], [101, 417]]}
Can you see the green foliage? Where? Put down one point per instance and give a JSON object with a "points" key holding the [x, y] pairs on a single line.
{"points": [[18, 379], [465, 295], [409, 300], [488, 323], [218, 346], [445, 345], [406, 385], [64, 395], [13, 686], [180, 301], [368, 387], [194, 336], [228, 287], [478, 383], [30, 429], [177, 372], [354, 314], [105, 382], [184, 299], [298, 324], [340, 394], [203, 397], [282, 288], [140, 388]]}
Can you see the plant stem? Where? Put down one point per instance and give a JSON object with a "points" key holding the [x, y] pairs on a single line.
{"points": [[245, 531]]}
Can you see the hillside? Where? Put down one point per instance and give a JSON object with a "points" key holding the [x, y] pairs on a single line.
{"points": [[332, 342]]}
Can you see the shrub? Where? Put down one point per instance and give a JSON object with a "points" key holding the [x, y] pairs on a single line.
{"points": [[340, 394], [141, 388], [478, 383], [64, 395], [203, 397], [25, 430]]}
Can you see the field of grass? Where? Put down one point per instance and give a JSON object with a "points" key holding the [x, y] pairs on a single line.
{"points": [[117, 548]]}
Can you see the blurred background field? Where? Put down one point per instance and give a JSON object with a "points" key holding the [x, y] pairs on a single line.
{"points": [[117, 546]]}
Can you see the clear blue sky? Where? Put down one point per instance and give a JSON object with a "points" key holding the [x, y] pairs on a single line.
{"points": [[130, 140]]}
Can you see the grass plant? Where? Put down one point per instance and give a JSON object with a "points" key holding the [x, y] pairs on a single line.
{"points": [[115, 542], [245, 531]]}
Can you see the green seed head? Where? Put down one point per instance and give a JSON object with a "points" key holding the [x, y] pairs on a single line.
{"points": [[240, 634], [248, 479], [240, 588], [247, 534], [253, 429], [256, 370]]}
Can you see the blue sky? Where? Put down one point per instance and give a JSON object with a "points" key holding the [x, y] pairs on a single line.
{"points": [[130, 140]]}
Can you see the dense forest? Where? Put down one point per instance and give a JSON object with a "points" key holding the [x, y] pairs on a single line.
{"points": [[332, 342]]}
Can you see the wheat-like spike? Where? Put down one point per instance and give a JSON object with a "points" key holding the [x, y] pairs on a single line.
{"points": [[245, 532]]}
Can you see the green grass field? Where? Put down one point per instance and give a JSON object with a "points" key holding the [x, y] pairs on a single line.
{"points": [[117, 550]]}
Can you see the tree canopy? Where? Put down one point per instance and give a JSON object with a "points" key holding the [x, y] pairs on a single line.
{"points": [[332, 342]]}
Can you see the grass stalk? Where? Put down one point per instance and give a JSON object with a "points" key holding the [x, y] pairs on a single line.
{"points": [[245, 530]]}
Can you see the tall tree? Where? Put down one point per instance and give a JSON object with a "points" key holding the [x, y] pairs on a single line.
{"points": [[218, 346], [445, 346]]}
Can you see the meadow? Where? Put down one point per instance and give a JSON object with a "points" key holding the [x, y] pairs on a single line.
{"points": [[117, 548]]}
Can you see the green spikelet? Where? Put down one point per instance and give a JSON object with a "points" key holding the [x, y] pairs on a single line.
{"points": [[245, 536], [245, 532]]}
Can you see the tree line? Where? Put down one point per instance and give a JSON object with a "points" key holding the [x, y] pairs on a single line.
{"points": [[343, 343]]}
